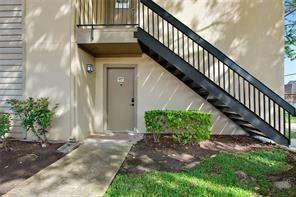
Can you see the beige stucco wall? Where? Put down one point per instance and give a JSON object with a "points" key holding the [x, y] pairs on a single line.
{"points": [[157, 89], [248, 31], [84, 94], [48, 50], [55, 67]]}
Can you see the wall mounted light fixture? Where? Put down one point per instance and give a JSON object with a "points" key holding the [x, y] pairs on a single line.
{"points": [[90, 68]]}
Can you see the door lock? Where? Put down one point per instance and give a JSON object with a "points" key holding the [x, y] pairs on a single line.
{"points": [[133, 102]]}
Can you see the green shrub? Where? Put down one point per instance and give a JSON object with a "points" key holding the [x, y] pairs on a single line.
{"points": [[5, 126], [35, 116], [185, 126]]}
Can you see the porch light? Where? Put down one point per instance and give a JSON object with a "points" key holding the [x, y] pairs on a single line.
{"points": [[90, 68]]}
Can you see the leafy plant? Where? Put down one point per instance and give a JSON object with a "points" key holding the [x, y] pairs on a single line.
{"points": [[35, 116], [290, 29], [5, 125], [186, 126]]}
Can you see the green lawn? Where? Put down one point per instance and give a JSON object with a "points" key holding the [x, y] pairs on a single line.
{"points": [[214, 176], [293, 119], [293, 135]]}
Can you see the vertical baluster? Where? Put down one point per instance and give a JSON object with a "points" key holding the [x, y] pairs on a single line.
{"points": [[203, 62], [284, 121], [88, 12], [148, 20], [126, 15], [183, 46], [113, 11], [143, 16], [139, 12], [274, 115], [168, 32], [178, 42], [209, 70], [214, 73], [254, 97], [173, 35], [249, 95], [152, 13], [92, 12], [163, 31], [239, 89], [279, 118], [234, 90], [132, 11], [122, 14], [198, 57], [188, 50], [244, 90], [158, 27], [224, 73], [193, 54], [259, 102], [264, 107], [229, 80], [97, 10], [80, 13], [219, 72], [269, 111]]}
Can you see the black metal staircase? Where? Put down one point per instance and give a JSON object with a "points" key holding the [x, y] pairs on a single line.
{"points": [[212, 75]]}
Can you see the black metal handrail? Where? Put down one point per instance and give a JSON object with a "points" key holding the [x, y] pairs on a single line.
{"points": [[219, 55], [235, 80]]}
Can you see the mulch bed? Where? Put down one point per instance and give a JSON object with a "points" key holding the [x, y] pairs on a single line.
{"points": [[168, 155], [23, 160]]}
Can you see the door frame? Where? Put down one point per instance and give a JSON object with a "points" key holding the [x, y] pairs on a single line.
{"points": [[105, 92]]}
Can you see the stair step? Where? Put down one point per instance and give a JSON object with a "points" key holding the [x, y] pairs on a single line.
{"points": [[186, 80], [230, 113], [194, 86], [237, 118], [245, 124], [177, 73], [212, 100], [221, 106], [254, 132], [203, 93]]}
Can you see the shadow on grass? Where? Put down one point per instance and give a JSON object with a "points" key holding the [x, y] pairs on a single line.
{"points": [[215, 176]]}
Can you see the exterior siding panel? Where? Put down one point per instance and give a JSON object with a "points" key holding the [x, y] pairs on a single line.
{"points": [[11, 57]]}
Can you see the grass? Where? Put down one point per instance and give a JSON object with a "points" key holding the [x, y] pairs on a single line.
{"points": [[293, 119], [214, 176], [293, 135]]}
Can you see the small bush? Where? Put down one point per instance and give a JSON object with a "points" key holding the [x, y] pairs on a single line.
{"points": [[5, 126], [186, 126], [35, 116]]}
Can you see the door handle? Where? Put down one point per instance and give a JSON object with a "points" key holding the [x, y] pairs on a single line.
{"points": [[133, 102]]}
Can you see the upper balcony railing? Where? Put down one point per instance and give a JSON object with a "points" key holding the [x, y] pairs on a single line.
{"points": [[93, 13]]}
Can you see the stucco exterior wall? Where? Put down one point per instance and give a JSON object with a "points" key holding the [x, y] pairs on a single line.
{"points": [[251, 32], [157, 89], [84, 93], [47, 45]]}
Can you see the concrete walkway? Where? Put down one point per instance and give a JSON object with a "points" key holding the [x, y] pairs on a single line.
{"points": [[86, 171]]}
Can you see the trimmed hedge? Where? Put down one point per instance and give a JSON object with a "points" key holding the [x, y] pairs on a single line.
{"points": [[186, 126]]}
